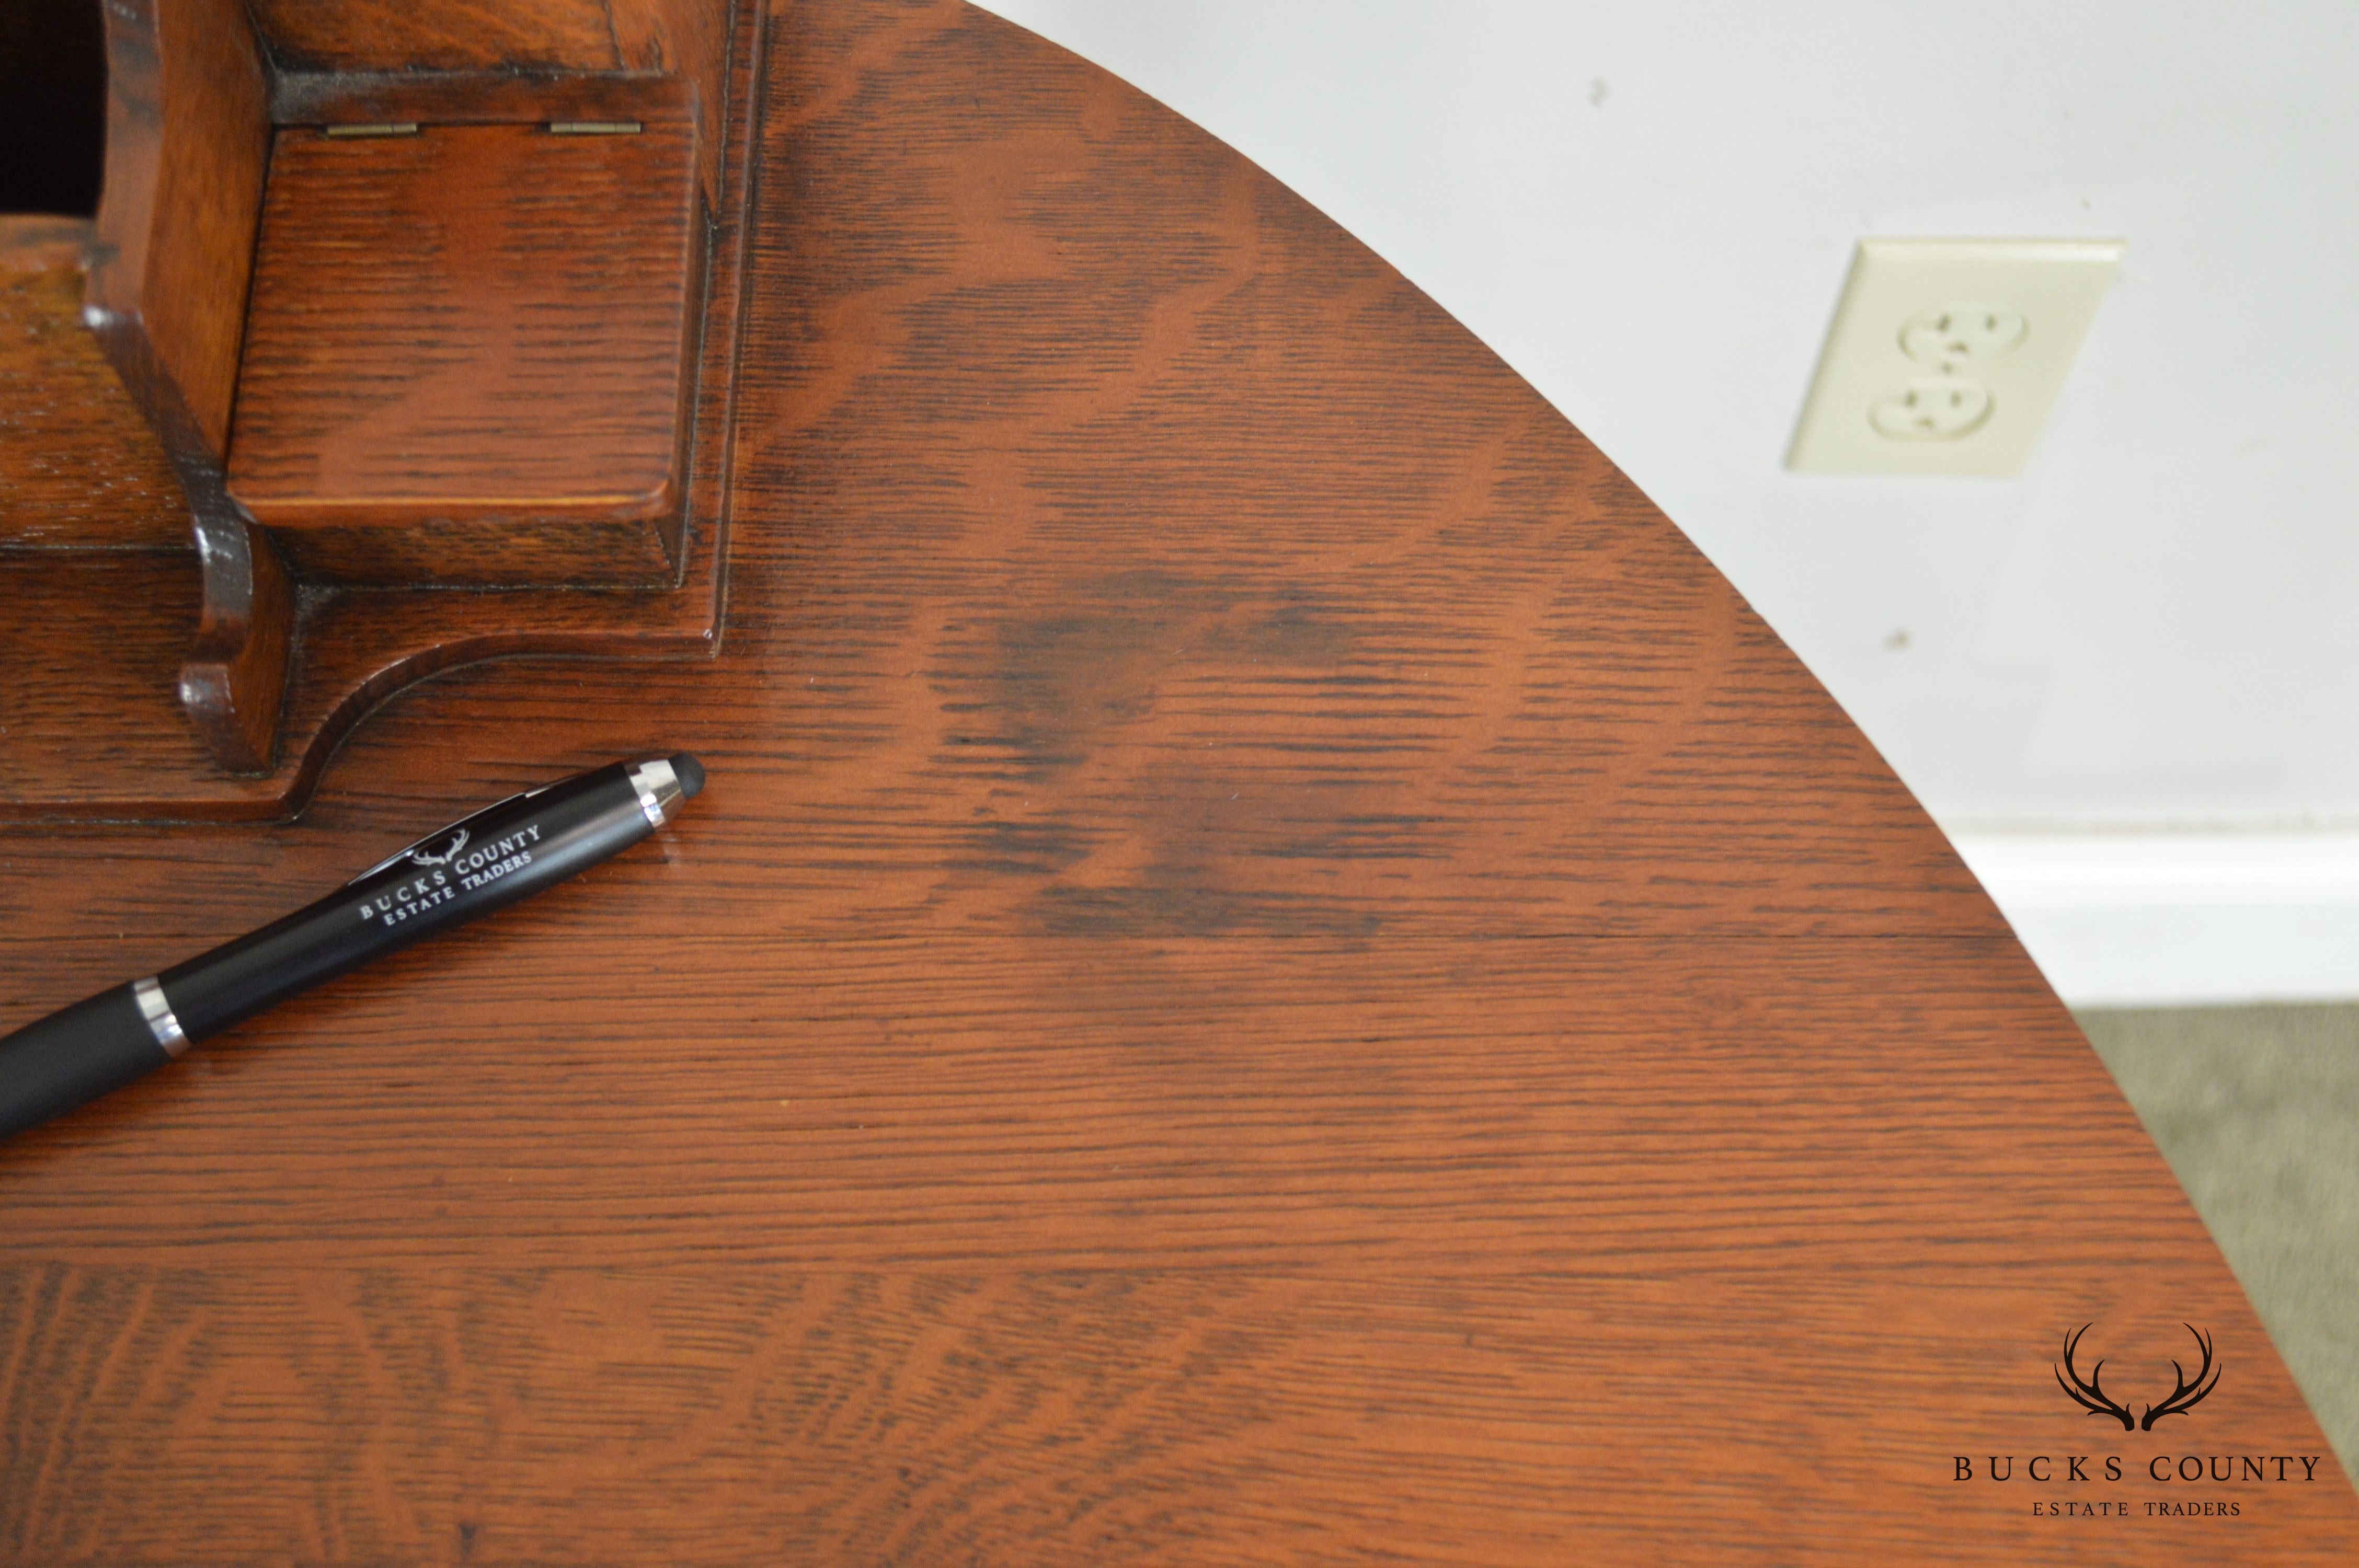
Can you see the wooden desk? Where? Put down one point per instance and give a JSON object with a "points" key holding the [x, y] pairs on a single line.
{"points": [[1273, 969]]}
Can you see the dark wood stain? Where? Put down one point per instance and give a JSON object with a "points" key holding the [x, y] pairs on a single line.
{"points": [[1273, 968]]}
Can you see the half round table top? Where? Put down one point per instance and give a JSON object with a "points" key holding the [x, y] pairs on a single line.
{"points": [[1273, 969]]}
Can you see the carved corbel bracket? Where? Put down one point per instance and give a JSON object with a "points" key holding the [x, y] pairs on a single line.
{"points": [[188, 144]]}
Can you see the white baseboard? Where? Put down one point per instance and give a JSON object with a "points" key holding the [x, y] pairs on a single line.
{"points": [[2180, 919]]}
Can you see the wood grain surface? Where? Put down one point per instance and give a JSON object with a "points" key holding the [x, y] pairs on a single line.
{"points": [[468, 355], [1272, 969], [83, 470], [688, 42], [654, 37], [438, 35]]}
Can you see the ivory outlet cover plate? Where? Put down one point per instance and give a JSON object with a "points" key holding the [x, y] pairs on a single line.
{"points": [[1946, 355]]}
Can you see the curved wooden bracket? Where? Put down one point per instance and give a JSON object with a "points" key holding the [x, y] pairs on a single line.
{"points": [[188, 137], [234, 680]]}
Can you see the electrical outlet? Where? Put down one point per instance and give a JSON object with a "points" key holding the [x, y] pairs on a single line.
{"points": [[1944, 410], [1950, 339], [1946, 355]]}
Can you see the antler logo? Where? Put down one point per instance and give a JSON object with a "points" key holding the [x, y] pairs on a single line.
{"points": [[2090, 1395], [457, 842]]}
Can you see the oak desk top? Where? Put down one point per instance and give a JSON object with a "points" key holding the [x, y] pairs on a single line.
{"points": [[1273, 968]]}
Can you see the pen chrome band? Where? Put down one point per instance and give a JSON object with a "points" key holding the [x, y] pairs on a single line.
{"points": [[158, 1013], [659, 788]]}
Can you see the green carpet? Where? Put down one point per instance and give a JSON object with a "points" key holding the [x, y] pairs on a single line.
{"points": [[2257, 1111]]}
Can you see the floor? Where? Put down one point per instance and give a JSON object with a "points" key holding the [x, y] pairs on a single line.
{"points": [[2257, 1111]]}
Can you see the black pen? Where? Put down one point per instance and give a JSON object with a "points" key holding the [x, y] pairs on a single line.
{"points": [[487, 861]]}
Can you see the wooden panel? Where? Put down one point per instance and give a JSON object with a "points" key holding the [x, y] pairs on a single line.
{"points": [[687, 40], [438, 35], [669, 60], [467, 354], [82, 469], [371, 37], [478, 97], [1272, 969], [188, 135]]}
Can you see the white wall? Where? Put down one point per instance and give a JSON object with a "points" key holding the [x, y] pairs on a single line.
{"points": [[1648, 206]]}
